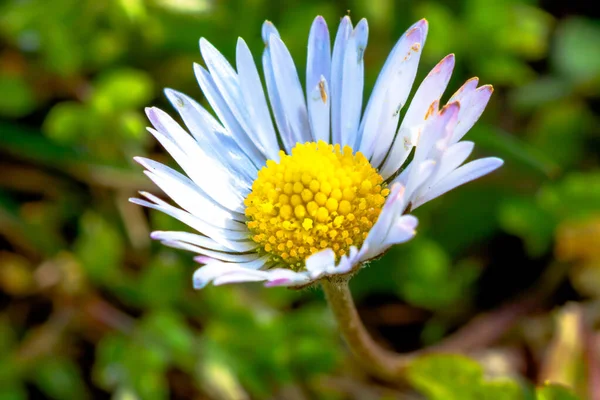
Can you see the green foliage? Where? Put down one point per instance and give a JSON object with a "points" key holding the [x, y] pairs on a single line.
{"points": [[122, 88], [426, 265], [130, 364], [577, 54], [555, 392], [449, 377], [524, 218], [99, 247], [17, 97], [60, 379]]}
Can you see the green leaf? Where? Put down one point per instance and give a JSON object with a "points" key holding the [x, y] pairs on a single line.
{"points": [[63, 53], [100, 248], [133, 125], [311, 355], [555, 392], [13, 392], [122, 89], [30, 144], [445, 377], [577, 195], [8, 336], [466, 216], [577, 52], [60, 378], [538, 93], [18, 98], [68, 121], [134, 9], [31, 232], [504, 69], [216, 376], [133, 363], [185, 7], [425, 277], [528, 33], [559, 131], [453, 377], [168, 331], [523, 217], [109, 370], [163, 281]]}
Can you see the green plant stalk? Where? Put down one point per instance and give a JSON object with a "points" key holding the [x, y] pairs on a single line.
{"points": [[380, 362], [480, 332]]}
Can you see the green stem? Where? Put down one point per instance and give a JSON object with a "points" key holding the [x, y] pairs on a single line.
{"points": [[382, 363], [478, 333]]}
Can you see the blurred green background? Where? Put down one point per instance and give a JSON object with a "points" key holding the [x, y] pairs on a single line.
{"points": [[91, 309]]}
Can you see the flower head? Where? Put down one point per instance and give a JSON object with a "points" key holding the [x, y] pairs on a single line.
{"points": [[324, 189]]}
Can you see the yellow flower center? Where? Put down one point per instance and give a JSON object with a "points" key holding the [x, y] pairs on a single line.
{"points": [[316, 198]]}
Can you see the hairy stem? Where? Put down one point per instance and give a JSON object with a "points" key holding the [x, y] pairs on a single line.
{"points": [[380, 362], [478, 333]]}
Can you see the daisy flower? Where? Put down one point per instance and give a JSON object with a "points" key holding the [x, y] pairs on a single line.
{"points": [[294, 185]]}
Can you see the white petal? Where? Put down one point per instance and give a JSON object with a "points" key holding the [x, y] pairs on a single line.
{"points": [[223, 256], [418, 176], [437, 134], [267, 30], [187, 194], [430, 90], [467, 87], [347, 262], [233, 240], [187, 197], [459, 176], [397, 75], [227, 83], [337, 73], [452, 158], [402, 230], [286, 277], [226, 116], [472, 107], [256, 102], [290, 90], [222, 273], [220, 186], [394, 206], [438, 127], [223, 185], [352, 84], [196, 204], [171, 130], [318, 110], [404, 78], [214, 269], [167, 172], [283, 125], [188, 237], [212, 138], [239, 277], [319, 262], [383, 122], [318, 60], [318, 68]]}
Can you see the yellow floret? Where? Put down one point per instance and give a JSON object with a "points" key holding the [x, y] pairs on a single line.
{"points": [[318, 197]]}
